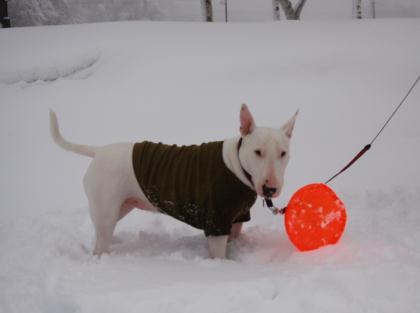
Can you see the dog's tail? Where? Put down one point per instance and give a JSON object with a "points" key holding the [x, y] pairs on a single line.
{"points": [[63, 143]]}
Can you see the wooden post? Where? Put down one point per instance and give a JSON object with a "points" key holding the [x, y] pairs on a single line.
{"points": [[4, 15]]}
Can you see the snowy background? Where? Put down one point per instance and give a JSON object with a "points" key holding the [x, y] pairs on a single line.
{"points": [[41, 12], [183, 83]]}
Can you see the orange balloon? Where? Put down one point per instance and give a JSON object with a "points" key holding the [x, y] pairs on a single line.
{"points": [[315, 217]]}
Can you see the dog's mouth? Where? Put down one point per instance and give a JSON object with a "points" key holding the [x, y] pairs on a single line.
{"points": [[269, 192]]}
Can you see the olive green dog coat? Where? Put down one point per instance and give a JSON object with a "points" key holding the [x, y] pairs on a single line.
{"points": [[193, 185]]}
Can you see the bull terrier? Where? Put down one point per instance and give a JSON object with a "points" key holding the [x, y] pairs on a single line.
{"points": [[211, 186]]}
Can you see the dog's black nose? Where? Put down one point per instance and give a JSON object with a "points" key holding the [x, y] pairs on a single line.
{"points": [[268, 192]]}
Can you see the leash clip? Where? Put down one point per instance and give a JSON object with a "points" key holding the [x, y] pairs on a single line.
{"points": [[272, 208]]}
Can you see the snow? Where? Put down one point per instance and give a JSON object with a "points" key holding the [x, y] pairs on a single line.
{"points": [[184, 83], [329, 218]]}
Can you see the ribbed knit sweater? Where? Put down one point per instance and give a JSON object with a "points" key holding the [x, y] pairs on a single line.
{"points": [[193, 185]]}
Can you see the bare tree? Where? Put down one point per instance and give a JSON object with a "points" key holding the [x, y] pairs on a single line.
{"points": [[207, 9], [291, 13]]}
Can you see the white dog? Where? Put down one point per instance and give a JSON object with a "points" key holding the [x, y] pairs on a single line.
{"points": [[211, 186]]}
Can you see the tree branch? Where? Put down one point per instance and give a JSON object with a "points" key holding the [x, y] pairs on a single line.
{"points": [[299, 8], [287, 7]]}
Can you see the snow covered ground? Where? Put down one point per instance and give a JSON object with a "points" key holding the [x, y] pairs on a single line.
{"points": [[184, 83]]}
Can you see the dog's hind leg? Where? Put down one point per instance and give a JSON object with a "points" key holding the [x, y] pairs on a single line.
{"points": [[103, 238], [112, 191], [105, 223], [104, 217], [106, 189]]}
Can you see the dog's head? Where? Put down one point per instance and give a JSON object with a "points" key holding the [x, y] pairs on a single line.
{"points": [[264, 153]]}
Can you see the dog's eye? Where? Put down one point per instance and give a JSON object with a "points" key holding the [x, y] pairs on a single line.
{"points": [[282, 154], [258, 152]]}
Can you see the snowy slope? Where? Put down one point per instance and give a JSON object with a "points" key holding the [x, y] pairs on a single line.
{"points": [[183, 83]]}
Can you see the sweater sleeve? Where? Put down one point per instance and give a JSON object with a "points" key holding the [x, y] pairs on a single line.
{"points": [[218, 223], [244, 217]]}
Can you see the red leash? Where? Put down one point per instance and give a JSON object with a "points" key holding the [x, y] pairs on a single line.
{"points": [[366, 148]]}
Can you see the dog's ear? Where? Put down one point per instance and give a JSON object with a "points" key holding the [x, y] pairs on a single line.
{"points": [[288, 127], [247, 121]]}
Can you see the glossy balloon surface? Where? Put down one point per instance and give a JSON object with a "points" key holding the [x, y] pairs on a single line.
{"points": [[315, 217]]}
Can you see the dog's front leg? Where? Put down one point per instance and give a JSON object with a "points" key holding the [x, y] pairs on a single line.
{"points": [[235, 231], [217, 246]]}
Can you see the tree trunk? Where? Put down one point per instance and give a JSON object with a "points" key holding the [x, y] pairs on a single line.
{"points": [[207, 10], [290, 12], [4, 15], [276, 10], [226, 11], [287, 7], [359, 9], [373, 9]]}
